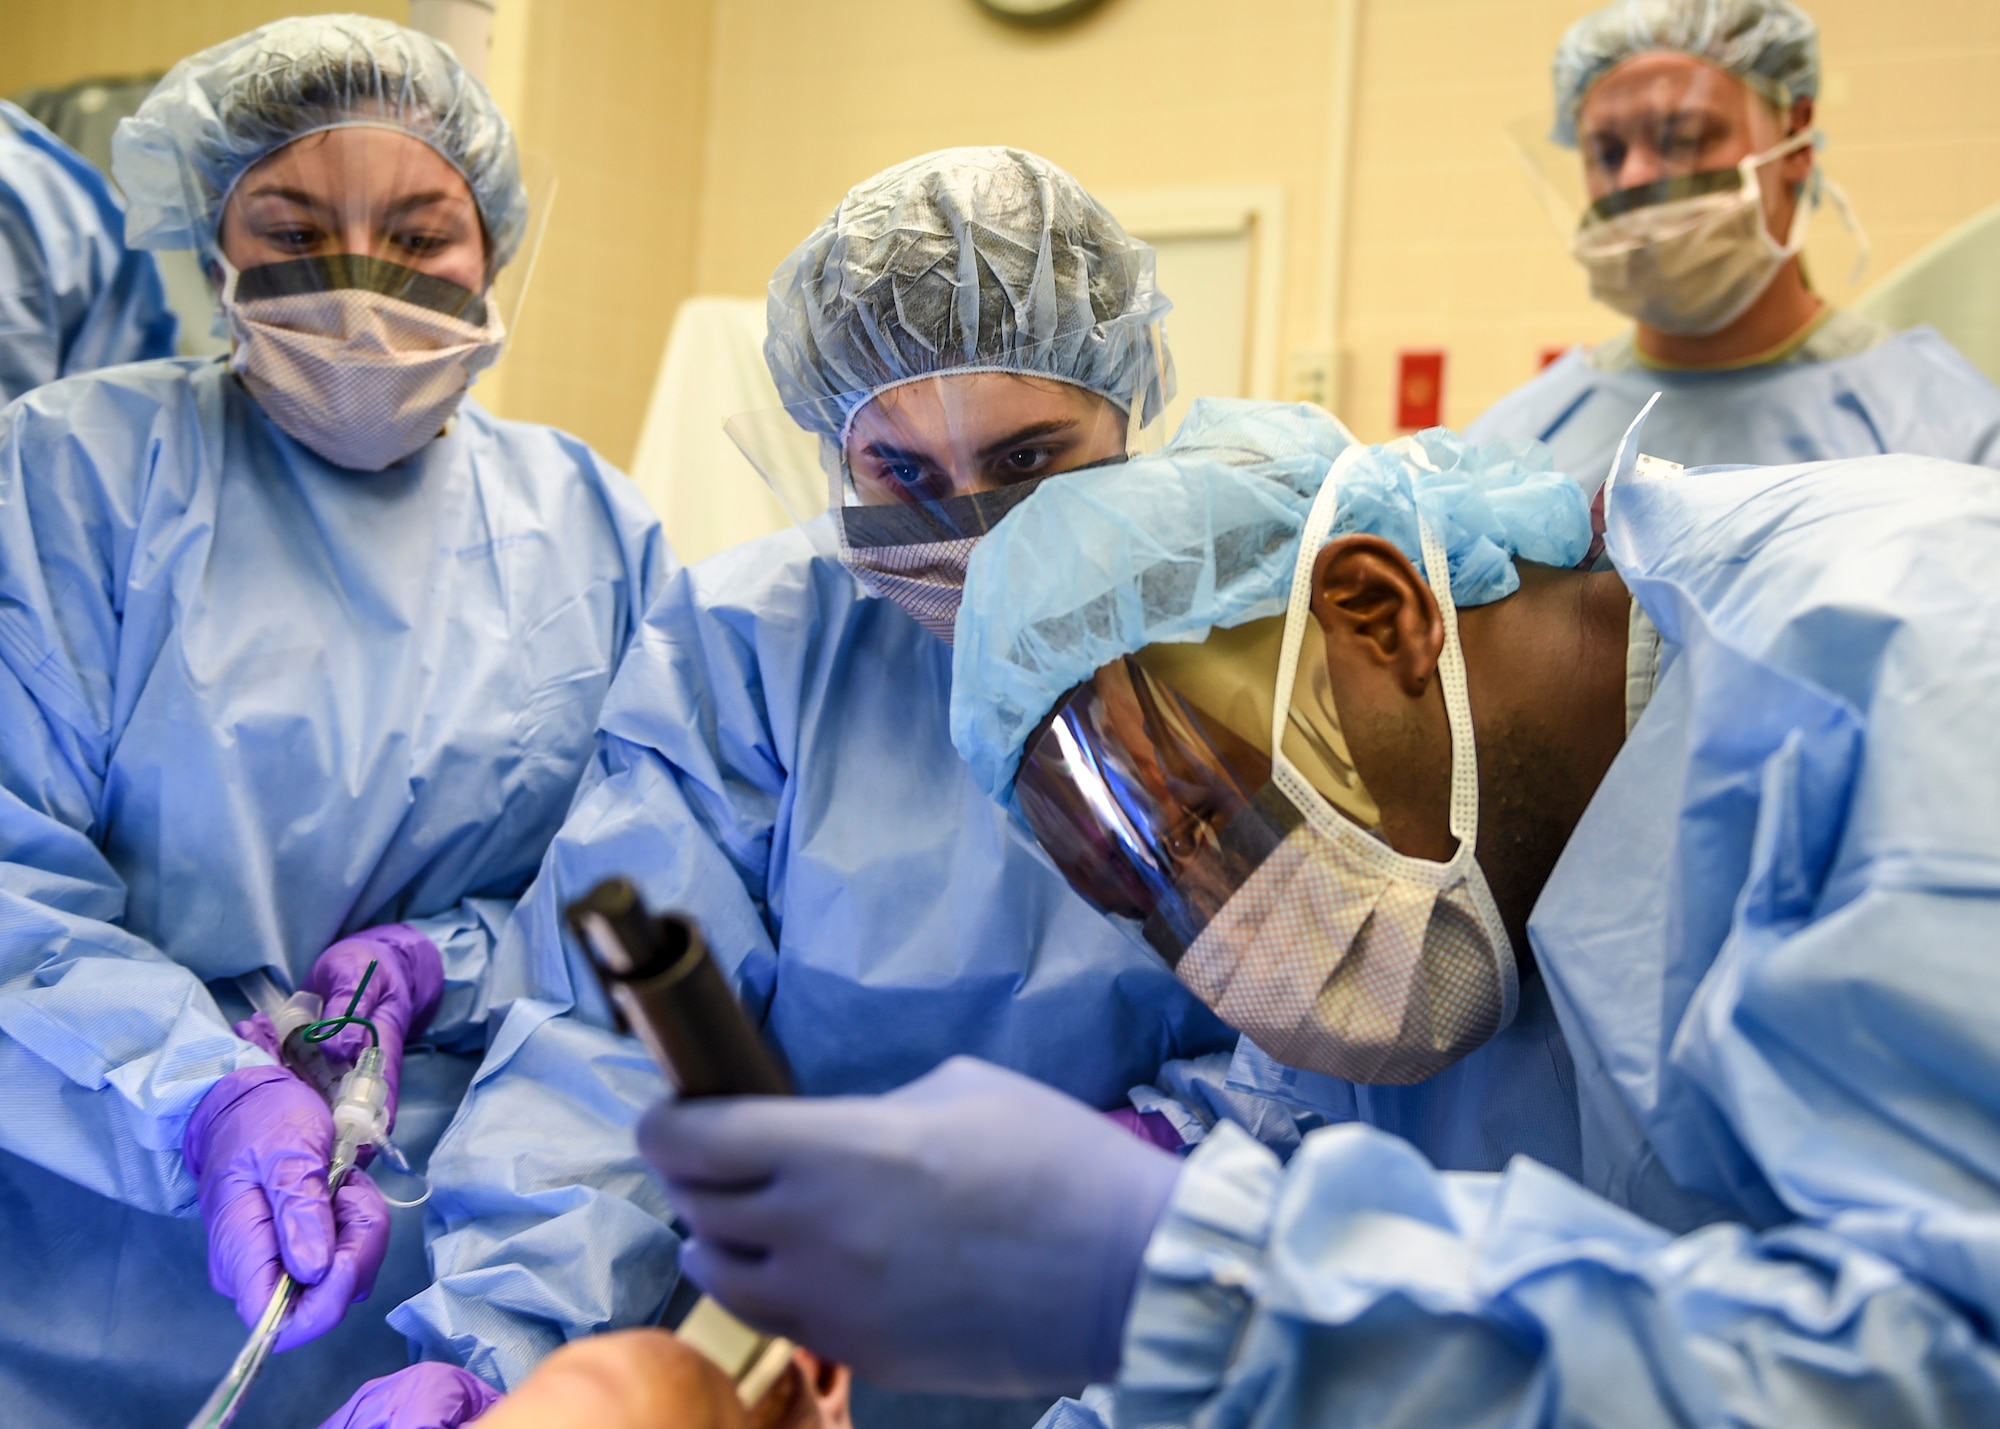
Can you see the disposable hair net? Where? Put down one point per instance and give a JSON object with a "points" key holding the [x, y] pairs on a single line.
{"points": [[219, 112], [1100, 564], [1771, 45], [966, 259]]}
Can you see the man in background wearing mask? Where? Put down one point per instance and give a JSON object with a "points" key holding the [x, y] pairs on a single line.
{"points": [[300, 657], [73, 297], [1693, 123], [1368, 761]]}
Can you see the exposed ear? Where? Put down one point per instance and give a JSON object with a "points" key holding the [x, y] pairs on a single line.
{"points": [[1375, 608]]}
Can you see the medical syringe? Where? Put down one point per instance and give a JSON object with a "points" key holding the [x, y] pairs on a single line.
{"points": [[665, 988], [360, 1119]]}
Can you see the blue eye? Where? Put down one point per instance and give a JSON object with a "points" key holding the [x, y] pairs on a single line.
{"points": [[907, 473]]}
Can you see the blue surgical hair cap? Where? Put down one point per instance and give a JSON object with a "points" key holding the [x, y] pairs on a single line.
{"points": [[1203, 535], [1771, 45], [219, 112], [979, 259]]}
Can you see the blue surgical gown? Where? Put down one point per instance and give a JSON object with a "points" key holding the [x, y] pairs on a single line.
{"points": [[1913, 393], [251, 702], [1771, 945], [73, 297], [775, 761]]}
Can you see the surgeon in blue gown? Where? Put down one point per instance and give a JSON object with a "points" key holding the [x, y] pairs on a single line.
{"points": [[1691, 118], [1767, 936], [301, 651], [73, 297], [775, 758]]}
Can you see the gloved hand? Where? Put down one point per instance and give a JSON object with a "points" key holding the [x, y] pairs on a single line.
{"points": [[258, 1146], [973, 1232], [424, 1396], [400, 1000], [1149, 1126]]}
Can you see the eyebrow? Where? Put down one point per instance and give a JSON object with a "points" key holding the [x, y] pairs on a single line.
{"points": [[297, 196], [422, 200], [1055, 426], [397, 207], [883, 451]]}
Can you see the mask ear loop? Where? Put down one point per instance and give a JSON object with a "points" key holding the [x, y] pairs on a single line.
{"points": [[1837, 196], [1464, 816], [1752, 181], [1808, 201], [1319, 521], [1451, 672], [1457, 704]]}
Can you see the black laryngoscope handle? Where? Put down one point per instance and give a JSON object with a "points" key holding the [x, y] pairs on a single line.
{"points": [[665, 986], [667, 990]]}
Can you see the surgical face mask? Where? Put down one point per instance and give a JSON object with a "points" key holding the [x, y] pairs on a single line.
{"points": [[1690, 254], [360, 359], [915, 555], [1279, 906]]}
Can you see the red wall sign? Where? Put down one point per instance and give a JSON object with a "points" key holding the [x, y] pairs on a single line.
{"points": [[1419, 388]]}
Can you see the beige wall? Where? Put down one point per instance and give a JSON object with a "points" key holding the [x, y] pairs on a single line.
{"points": [[1445, 244], [52, 42], [613, 95], [697, 140], [809, 96]]}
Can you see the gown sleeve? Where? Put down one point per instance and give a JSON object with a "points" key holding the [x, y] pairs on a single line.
{"points": [[106, 1044], [1359, 1285], [545, 1225]]}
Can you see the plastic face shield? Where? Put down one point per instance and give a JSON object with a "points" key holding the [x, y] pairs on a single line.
{"points": [[1657, 128], [371, 207], [900, 483], [1149, 786], [962, 430]]}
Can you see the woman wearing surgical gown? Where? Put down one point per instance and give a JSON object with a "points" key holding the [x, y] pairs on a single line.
{"points": [[775, 759], [300, 656]]}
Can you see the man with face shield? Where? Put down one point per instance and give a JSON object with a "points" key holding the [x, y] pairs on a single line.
{"points": [[1693, 121], [73, 297], [775, 758], [1368, 765], [300, 657]]}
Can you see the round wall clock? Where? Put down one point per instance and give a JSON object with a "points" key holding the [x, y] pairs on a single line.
{"points": [[1036, 12]]}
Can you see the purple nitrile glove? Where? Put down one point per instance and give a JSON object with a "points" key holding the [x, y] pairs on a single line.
{"points": [[258, 1031], [258, 1146], [424, 1396], [974, 1231], [401, 996], [1148, 1126]]}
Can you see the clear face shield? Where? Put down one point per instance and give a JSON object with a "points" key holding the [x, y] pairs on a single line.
{"points": [[1686, 192], [1150, 786], [361, 291], [1206, 791], [901, 482]]}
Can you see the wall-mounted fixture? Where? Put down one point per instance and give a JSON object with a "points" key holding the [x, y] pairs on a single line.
{"points": [[1036, 12]]}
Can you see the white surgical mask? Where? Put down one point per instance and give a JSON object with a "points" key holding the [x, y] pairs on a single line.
{"points": [[1692, 265], [1338, 954], [916, 555], [357, 358]]}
